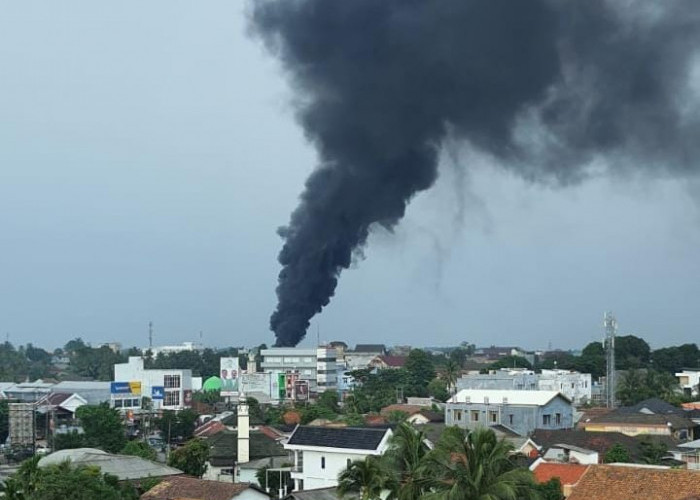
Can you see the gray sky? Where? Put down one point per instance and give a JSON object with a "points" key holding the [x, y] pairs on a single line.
{"points": [[148, 152]]}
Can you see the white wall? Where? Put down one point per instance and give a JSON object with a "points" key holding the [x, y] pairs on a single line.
{"points": [[315, 477], [134, 371]]}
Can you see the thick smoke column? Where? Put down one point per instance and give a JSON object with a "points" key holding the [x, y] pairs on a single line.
{"points": [[547, 87]]}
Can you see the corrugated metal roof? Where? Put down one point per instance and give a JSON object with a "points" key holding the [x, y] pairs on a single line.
{"points": [[496, 396]]}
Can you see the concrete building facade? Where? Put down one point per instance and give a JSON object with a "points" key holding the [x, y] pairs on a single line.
{"points": [[169, 389]]}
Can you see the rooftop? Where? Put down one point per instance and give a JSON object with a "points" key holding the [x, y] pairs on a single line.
{"points": [[567, 473], [370, 348], [191, 488], [355, 438], [511, 397], [224, 447], [603, 482], [320, 494], [122, 466]]}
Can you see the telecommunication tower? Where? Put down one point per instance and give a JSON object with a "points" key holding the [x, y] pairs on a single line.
{"points": [[610, 325]]}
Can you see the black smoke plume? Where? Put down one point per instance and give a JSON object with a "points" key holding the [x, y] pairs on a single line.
{"points": [[548, 87]]}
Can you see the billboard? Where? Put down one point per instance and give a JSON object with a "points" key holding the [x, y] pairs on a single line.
{"points": [[157, 392], [301, 390], [281, 386], [228, 369], [133, 388], [256, 382], [291, 379]]}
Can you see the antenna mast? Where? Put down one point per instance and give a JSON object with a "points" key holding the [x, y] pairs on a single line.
{"points": [[610, 325]]}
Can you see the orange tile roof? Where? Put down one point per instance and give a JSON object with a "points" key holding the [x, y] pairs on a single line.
{"points": [[567, 473], [194, 489], [410, 409], [605, 482]]}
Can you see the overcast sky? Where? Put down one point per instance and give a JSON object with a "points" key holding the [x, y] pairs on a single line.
{"points": [[148, 152]]}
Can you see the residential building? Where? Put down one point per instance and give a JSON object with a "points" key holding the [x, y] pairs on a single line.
{"points": [[321, 494], [688, 453], [191, 488], [689, 380], [627, 482], [321, 453], [317, 366], [374, 349], [520, 411], [574, 385], [568, 453], [169, 389], [94, 392], [494, 353]]}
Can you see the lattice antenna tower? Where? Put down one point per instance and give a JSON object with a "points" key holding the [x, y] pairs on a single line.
{"points": [[610, 325]]}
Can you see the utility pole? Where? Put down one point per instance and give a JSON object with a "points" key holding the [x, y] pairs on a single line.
{"points": [[610, 325], [150, 334]]}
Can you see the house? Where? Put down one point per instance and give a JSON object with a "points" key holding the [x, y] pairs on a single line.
{"points": [[59, 408], [688, 453], [321, 453], [689, 380], [520, 411], [224, 456], [568, 474], [426, 416], [124, 467], [190, 488], [568, 453], [388, 362], [629, 482], [374, 349], [635, 424]]}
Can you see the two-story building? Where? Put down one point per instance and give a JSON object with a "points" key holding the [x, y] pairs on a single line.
{"points": [[689, 380], [317, 366], [169, 389], [321, 453], [520, 411]]}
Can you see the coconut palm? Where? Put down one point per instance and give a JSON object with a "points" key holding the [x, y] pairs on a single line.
{"points": [[451, 373], [474, 466], [405, 458], [368, 477]]}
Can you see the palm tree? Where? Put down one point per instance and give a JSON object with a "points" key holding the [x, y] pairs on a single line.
{"points": [[368, 477], [405, 457], [451, 373], [474, 466]]}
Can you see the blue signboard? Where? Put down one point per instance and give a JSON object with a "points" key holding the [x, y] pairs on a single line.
{"points": [[157, 392], [120, 388]]}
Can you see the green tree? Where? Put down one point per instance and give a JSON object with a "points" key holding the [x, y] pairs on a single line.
{"points": [[68, 441], [617, 454], [254, 410], [405, 458], [177, 425], [474, 465], [452, 370], [397, 416], [139, 449], [4, 420], [58, 482], [191, 458], [368, 477], [103, 426], [652, 452], [631, 352], [551, 490], [329, 400], [437, 388], [420, 368]]}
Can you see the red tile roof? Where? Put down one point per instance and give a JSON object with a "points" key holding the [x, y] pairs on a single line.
{"points": [[394, 361], [409, 409], [194, 489], [567, 473], [605, 482]]}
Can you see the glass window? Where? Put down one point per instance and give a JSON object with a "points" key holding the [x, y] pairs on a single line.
{"points": [[546, 419], [323, 462], [475, 415], [171, 381], [493, 417], [172, 398], [557, 418]]}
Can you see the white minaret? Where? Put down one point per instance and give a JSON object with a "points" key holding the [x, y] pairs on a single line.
{"points": [[243, 430]]}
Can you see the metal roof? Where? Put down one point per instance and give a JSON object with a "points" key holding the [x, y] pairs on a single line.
{"points": [[511, 397]]}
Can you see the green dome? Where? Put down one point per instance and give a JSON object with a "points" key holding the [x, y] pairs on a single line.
{"points": [[212, 384]]}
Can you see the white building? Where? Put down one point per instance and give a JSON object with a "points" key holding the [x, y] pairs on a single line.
{"points": [[167, 349], [321, 453], [574, 385], [317, 366], [168, 389], [689, 379]]}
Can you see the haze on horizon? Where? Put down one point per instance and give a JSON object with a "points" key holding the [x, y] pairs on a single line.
{"points": [[148, 155]]}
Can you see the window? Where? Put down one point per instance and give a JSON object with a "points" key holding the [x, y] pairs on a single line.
{"points": [[510, 419], [572, 385], [171, 381], [118, 403], [546, 419], [475, 415], [172, 398], [493, 417], [458, 415], [349, 462], [557, 418], [323, 462]]}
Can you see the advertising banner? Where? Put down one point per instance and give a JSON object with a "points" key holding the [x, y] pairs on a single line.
{"points": [[187, 396], [157, 392], [256, 382], [301, 390], [292, 377], [229, 376], [133, 388], [281, 385]]}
